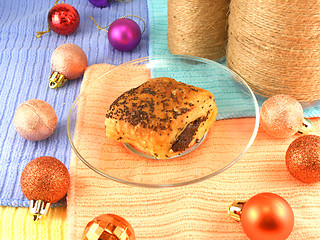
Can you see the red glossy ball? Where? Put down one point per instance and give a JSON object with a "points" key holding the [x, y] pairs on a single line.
{"points": [[267, 216], [63, 19]]}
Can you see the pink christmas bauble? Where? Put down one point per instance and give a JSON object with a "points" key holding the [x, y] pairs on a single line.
{"points": [[70, 60], [124, 34], [281, 116], [35, 120]]}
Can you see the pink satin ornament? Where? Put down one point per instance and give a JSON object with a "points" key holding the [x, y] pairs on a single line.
{"points": [[35, 120], [124, 34], [68, 62]]}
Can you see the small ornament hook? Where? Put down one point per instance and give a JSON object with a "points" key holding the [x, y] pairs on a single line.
{"points": [[235, 210], [307, 127], [56, 80]]}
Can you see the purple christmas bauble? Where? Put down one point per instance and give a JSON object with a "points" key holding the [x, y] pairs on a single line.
{"points": [[101, 3], [124, 34]]}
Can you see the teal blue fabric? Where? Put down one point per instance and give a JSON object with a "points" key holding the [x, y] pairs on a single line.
{"points": [[158, 47]]}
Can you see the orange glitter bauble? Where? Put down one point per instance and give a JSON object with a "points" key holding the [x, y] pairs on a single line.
{"points": [[46, 179], [281, 116], [267, 216], [303, 158]]}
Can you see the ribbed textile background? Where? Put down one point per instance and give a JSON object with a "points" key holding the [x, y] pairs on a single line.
{"points": [[25, 68]]}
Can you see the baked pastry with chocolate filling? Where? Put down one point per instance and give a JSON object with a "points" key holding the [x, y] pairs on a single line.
{"points": [[161, 117]]}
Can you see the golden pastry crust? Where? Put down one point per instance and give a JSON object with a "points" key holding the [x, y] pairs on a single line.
{"points": [[161, 117]]}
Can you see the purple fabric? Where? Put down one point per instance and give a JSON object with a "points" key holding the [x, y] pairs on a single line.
{"points": [[25, 69]]}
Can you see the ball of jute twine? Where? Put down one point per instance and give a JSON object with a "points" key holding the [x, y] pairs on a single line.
{"points": [[274, 45], [197, 27]]}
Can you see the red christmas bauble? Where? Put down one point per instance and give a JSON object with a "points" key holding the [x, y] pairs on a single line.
{"points": [[267, 216], [63, 19]]}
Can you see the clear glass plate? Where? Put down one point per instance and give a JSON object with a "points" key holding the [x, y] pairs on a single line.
{"points": [[225, 143]]}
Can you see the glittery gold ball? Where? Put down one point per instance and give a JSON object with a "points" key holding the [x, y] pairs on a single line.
{"points": [[46, 179], [281, 116], [108, 227], [303, 158], [35, 120]]}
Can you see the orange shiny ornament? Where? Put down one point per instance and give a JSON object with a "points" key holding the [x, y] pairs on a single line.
{"points": [[108, 227], [265, 216]]}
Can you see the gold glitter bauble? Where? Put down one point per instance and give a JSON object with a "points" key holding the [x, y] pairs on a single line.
{"points": [[303, 158], [281, 116], [108, 227], [46, 179]]}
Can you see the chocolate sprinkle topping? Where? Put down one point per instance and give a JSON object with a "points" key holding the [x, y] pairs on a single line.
{"points": [[139, 105]]}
